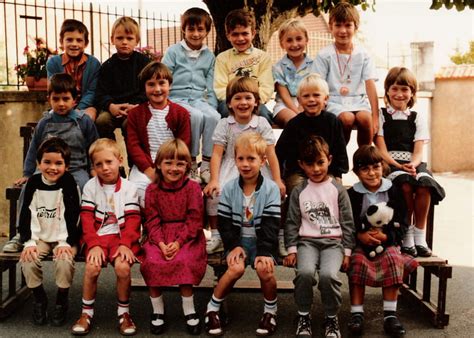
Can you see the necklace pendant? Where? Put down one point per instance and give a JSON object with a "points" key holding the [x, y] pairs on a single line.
{"points": [[344, 91]]}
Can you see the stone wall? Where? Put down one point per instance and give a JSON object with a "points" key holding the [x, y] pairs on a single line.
{"points": [[452, 125], [16, 109]]}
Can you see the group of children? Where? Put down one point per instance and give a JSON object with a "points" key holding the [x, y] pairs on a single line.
{"points": [[166, 110]]}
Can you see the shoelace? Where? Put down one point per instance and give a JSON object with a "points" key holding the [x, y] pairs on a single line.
{"points": [[304, 324], [331, 325]]}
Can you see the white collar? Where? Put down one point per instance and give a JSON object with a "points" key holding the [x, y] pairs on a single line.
{"points": [[193, 53], [386, 185]]}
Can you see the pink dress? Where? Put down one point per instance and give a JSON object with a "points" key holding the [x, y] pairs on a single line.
{"points": [[174, 213]]}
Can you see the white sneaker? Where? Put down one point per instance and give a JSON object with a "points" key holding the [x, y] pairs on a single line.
{"points": [[194, 173], [214, 245], [331, 328], [205, 172], [281, 247]]}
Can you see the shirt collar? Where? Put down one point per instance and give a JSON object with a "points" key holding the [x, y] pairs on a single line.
{"points": [[252, 124], [193, 53], [248, 51], [289, 63], [66, 59], [392, 111], [386, 185]]}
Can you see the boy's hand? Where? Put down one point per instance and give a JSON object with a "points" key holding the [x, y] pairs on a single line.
{"points": [[290, 260], [63, 252], [212, 189], [29, 254], [125, 254], [266, 262], [236, 256], [21, 181], [118, 109], [96, 256], [130, 107], [345, 263], [150, 173], [282, 188]]}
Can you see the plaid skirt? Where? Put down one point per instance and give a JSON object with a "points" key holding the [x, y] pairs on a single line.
{"points": [[387, 269]]}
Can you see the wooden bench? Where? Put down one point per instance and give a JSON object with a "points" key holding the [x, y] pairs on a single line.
{"points": [[432, 266]]}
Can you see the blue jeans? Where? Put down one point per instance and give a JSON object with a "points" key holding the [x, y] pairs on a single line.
{"points": [[323, 255]]}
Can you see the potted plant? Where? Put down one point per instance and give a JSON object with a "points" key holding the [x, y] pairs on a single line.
{"points": [[33, 72]]}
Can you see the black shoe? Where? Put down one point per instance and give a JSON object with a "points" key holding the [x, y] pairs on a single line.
{"points": [[393, 327], [157, 329], [39, 313], [410, 251], [194, 330], [58, 318], [423, 251], [356, 323]]}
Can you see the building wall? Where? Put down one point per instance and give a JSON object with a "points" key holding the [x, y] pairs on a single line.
{"points": [[16, 109], [452, 125]]}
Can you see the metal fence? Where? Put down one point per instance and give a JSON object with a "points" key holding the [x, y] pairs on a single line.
{"points": [[22, 21]]}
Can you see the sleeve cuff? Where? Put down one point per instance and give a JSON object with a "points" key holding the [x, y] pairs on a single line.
{"points": [[30, 243], [347, 252], [292, 249]]}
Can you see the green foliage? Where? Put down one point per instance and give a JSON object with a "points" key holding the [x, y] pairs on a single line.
{"points": [[460, 5], [466, 58], [35, 61]]}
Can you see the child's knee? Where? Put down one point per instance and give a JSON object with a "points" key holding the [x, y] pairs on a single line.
{"points": [[236, 271], [423, 192], [328, 277], [264, 275], [122, 269], [92, 271], [347, 119]]}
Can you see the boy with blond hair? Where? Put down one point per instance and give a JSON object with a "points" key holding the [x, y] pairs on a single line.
{"points": [[243, 60], [118, 88], [110, 216], [249, 219]]}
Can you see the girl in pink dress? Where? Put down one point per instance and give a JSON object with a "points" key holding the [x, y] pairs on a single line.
{"points": [[175, 248]]}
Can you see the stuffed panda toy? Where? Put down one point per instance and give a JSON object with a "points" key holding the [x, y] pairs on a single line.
{"points": [[379, 217]]}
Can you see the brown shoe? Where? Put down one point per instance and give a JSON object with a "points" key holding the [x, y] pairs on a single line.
{"points": [[126, 325], [267, 325], [213, 324], [82, 326]]}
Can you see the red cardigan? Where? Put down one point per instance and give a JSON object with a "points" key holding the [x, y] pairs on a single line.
{"points": [[138, 146]]}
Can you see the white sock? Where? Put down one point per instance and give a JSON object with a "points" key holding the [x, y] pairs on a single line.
{"points": [[122, 308], [214, 304], [408, 240], [420, 237], [270, 306], [188, 308], [301, 313], [159, 308], [88, 307], [357, 308], [390, 305]]}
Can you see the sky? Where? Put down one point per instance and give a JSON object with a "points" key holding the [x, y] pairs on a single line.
{"points": [[388, 30]]}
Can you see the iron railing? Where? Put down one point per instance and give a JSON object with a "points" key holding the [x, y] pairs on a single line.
{"points": [[23, 21]]}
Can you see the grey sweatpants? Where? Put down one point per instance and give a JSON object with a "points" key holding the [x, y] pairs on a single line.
{"points": [[318, 263]]}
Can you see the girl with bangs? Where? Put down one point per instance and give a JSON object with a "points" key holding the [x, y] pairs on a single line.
{"points": [[174, 249]]}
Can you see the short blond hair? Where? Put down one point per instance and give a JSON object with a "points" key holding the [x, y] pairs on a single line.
{"points": [[104, 144], [251, 141], [292, 24], [313, 80], [129, 25]]}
